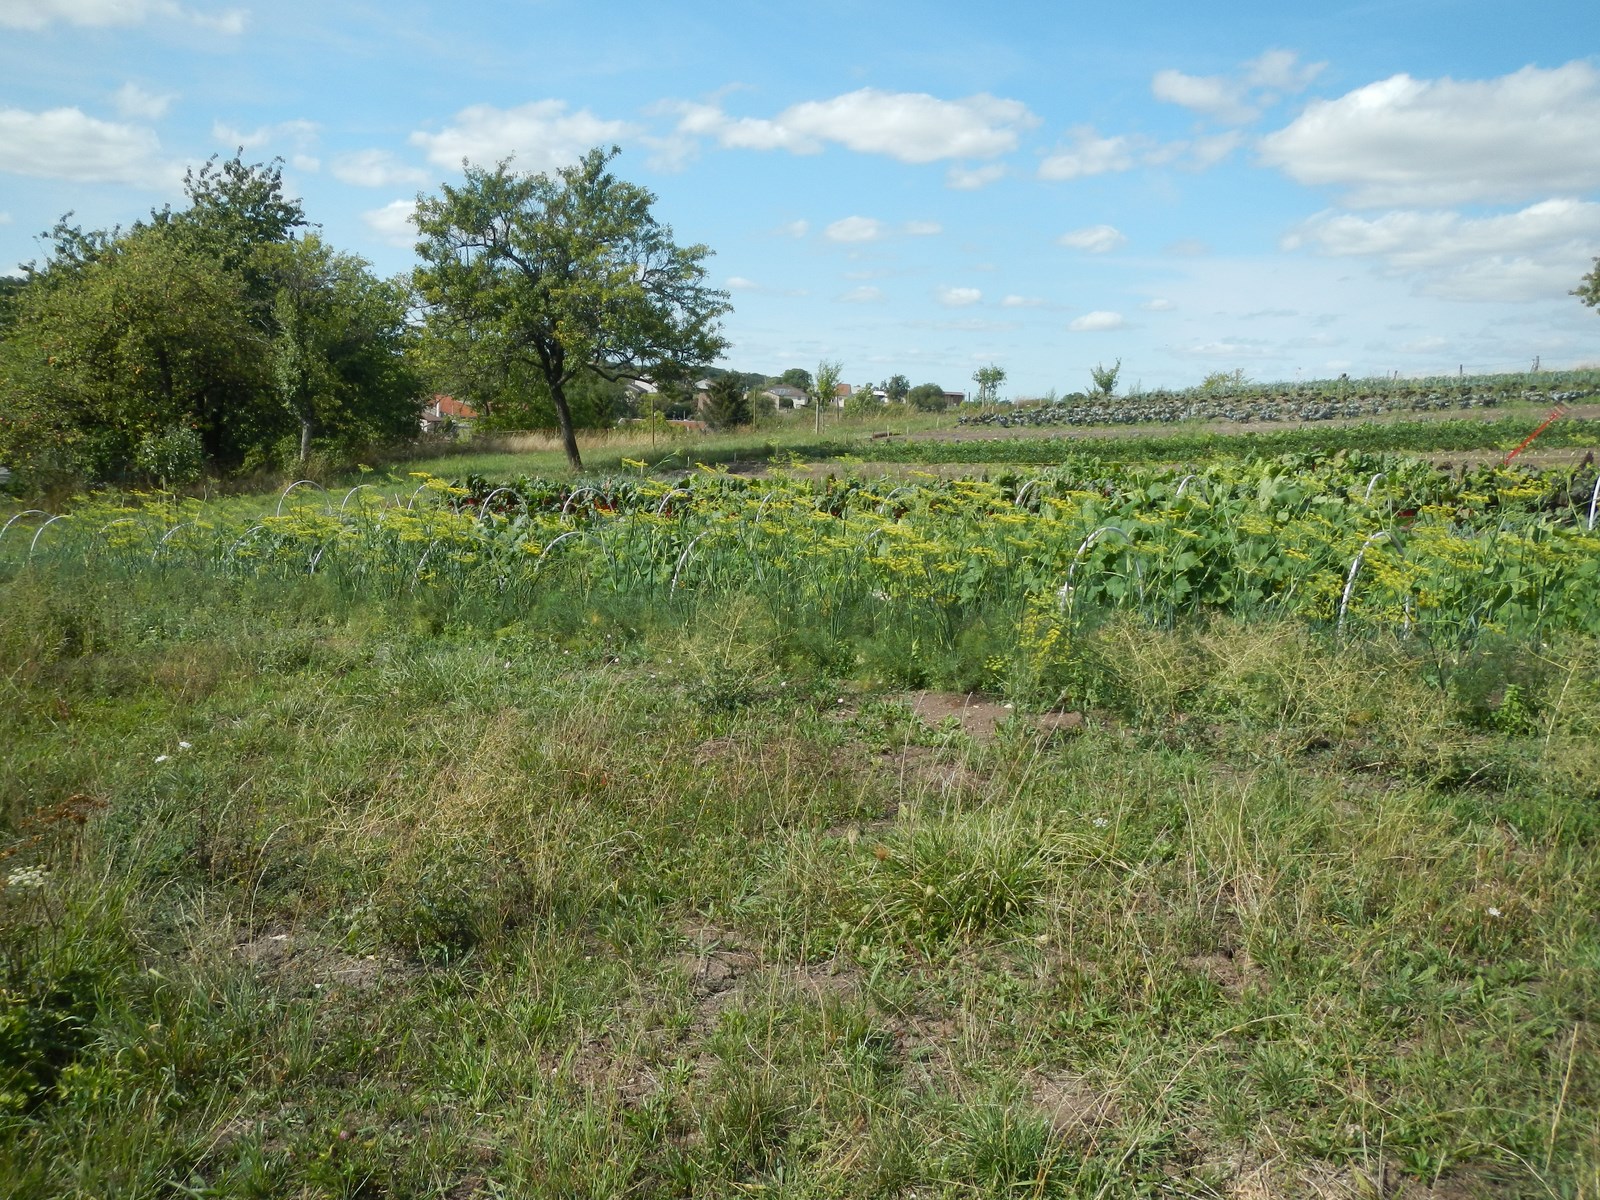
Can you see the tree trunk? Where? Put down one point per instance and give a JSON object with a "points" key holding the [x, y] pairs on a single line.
{"points": [[569, 439], [305, 440]]}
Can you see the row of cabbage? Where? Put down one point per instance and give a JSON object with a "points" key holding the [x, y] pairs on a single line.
{"points": [[1268, 406], [1357, 542]]}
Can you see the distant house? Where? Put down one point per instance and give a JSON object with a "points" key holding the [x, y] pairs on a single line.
{"points": [[444, 412], [955, 397], [785, 396]]}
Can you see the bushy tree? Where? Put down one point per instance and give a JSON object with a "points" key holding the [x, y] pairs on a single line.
{"points": [[796, 377], [897, 388], [927, 397], [562, 274], [728, 404], [213, 322], [146, 336]]}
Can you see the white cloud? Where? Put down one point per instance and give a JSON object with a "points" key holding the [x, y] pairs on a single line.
{"points": [[795, 229], [300, 133], [1405, 141], [1239, 98], [863, 295], [970, 180], [1095, 239], [64, 143], [540, 136], [1097, 322], [394, 222], [1213, 95], [1021, 302], [922, 228], [1282, 71], [1158, 304], [375, 168], [958, 297], [854, 229], [133, 102], [1539, 251], [1227, 348], [738, 283], [1089, 154], [913, 127], [5, 218], [308, 163], [39, 14]]}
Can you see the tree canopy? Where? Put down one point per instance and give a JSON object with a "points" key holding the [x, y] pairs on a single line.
{"points": [[561, 274]]}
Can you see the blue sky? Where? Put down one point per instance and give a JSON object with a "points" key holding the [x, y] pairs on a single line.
{"points": [[1288, 190]]}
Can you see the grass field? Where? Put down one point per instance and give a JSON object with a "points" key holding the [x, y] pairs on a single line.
{"points": [[792, 836]]}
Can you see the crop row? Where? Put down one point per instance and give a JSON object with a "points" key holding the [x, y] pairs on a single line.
{"points": [[1168, 409], [1385, 543]]}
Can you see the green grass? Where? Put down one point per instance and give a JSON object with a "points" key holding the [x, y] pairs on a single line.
{"points": [[448, 899]]}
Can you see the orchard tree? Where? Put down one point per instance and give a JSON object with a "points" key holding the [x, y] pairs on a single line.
{"points": [[563, 274], [897, 388]]}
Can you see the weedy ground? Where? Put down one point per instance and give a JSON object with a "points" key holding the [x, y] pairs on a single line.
{"points": [[308, 895]]}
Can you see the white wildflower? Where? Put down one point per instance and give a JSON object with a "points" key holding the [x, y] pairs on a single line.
{"points": [[185, 745], [1100, 822], [1495, 912], [161, 758], [28, 877]]}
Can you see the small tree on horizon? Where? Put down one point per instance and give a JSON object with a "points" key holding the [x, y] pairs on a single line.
{"points": [[1588, 289], [1105, 378], [823, 385], [988, 380]]}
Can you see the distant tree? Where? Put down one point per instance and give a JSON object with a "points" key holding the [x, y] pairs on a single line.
{"points": [[1105, 378], [927, 397], [1588, 289], [796, 377], [823, 385], [1221, 381], [563, 274], [897, 387], [728, 404], [988, 380]]}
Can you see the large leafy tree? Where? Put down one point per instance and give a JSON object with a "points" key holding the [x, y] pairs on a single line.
{"points": [[562, 274]]}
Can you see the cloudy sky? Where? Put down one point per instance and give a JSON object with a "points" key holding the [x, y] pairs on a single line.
{"points": [[1405, 185]]}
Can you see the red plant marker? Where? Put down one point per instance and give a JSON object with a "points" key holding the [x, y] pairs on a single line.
{"points": [[1556, 414]]}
